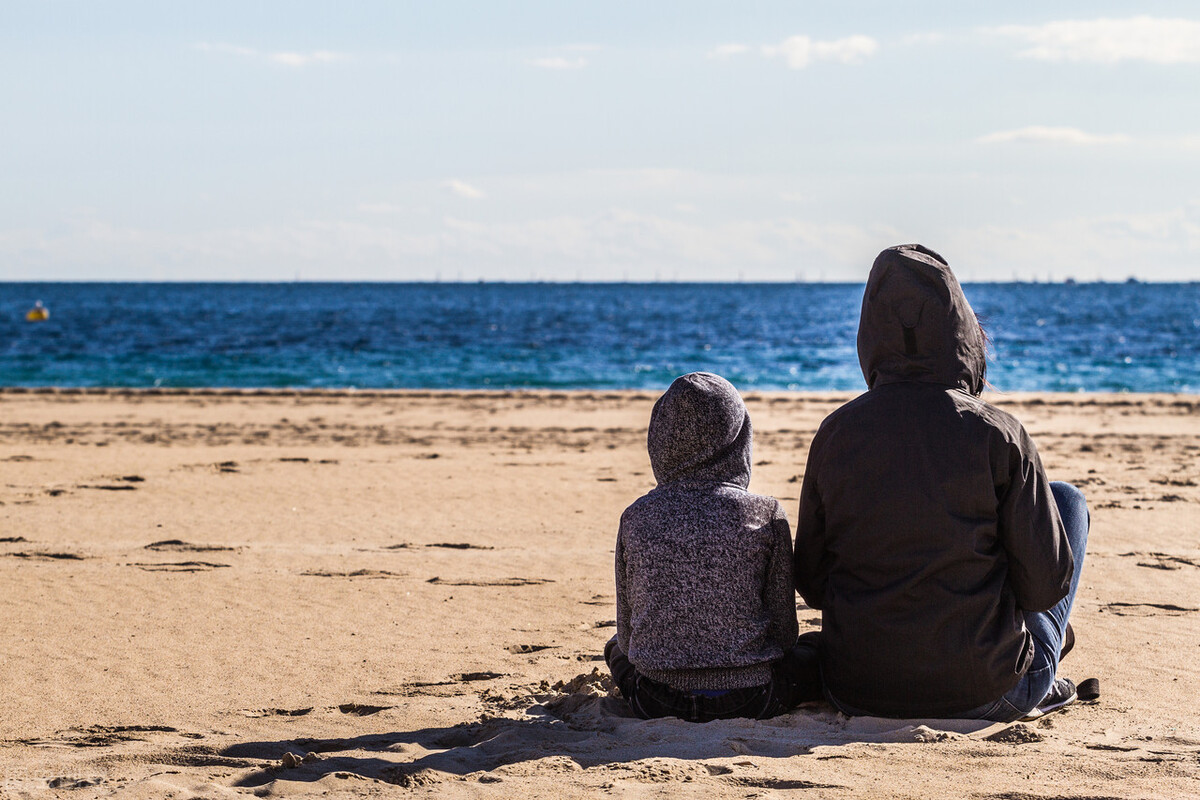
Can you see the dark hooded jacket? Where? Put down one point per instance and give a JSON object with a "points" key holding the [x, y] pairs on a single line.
{"points": [[705, 596], [927, 526]]}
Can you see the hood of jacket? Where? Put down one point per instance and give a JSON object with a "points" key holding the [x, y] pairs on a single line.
{"points": [[700, 431], [916, 324]]}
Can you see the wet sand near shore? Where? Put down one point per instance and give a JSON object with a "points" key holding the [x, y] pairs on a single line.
{"points": [[220, 593]]}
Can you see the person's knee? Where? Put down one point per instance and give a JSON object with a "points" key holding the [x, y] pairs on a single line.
{"points": [[1068, 496], [1068, 492], [624, 674], [612, 651]]}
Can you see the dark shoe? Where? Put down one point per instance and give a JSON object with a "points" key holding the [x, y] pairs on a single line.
{"points": [[1068, 642], [1062, 693], [1089, 690]]}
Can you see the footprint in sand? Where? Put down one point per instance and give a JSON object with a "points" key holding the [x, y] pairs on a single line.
{"points": [[361, 710], [1146, 609], [73, 783], [446, 545], [500, 582], [1173, 481], [123, 483], [1162, 560], [180, 546], [191, 756], [103, 735], [275, 712], [358, 573], [45, 556], [462, 677], [1112, 748], [180, 566], [778, 783], [424, 689]]}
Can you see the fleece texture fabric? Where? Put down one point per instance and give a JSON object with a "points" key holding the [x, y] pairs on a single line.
{"points": [[705, 597], [927, 526]]}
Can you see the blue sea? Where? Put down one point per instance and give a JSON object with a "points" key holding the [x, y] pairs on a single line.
{"points": [[1047, 337]]}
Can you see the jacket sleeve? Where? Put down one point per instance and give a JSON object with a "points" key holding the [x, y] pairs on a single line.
{"points": [[810, 559], [780, 596], [1040, 563], [623, 611]]}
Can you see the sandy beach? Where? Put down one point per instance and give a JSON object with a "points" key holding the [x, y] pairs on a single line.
{"points": [[219, 594]]}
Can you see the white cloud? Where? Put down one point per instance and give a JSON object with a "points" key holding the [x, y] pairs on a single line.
{"points": [[304, 59], [728, 50], [287, 59], [463, 189], [1160, 245], [1109, 41], [920, 39], [382, 208], [606, 245], [651, 177], [800, 51], [1039, 134], [558, 62], [233, 49], [317, 249]]}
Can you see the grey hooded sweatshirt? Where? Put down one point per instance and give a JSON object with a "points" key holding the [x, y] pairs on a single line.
{"points": [[927, 527], [705, 597]]}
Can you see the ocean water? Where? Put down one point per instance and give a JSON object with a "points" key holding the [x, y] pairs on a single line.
{"points": [[1046, 337]]}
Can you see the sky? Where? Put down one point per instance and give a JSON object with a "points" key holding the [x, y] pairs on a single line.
{"points": [[690, 140]]}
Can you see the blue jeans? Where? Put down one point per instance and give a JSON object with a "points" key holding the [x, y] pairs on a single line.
{"points": [[1048, 628]]}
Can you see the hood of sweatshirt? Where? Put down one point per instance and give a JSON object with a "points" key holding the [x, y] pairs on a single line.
{"points": [[700, 431], [916, 324]]}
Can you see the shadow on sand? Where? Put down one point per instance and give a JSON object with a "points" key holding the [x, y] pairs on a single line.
{"points": [[587, 730]]}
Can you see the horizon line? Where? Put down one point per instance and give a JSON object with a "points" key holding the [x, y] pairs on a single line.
{"points": [[557, 282]]}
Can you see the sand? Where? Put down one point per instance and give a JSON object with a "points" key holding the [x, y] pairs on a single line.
{"points": [[218, 594]]}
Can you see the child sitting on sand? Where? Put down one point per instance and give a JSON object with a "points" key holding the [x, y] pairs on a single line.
{"points": [[706, 613]]}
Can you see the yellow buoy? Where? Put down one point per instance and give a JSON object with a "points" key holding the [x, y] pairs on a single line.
{"points": [[38, 313]]}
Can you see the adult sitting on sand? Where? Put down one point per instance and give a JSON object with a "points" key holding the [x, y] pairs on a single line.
{"points": [[929, 536], [706, 611]]}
